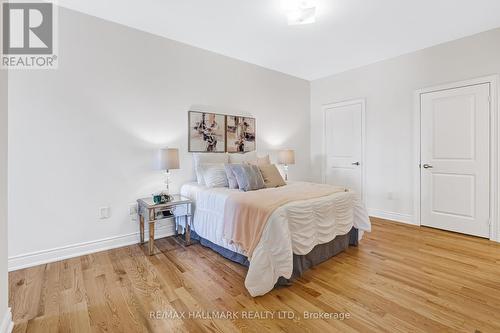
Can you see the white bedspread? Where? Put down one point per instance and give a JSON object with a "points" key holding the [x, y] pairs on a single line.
{"points": [[296, 227]]}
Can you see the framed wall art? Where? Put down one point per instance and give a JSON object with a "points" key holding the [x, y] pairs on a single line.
{"points": [[207, 132], [240, 134]]}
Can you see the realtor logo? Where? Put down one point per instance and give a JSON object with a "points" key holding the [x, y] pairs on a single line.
{"points": [[28, 35]]}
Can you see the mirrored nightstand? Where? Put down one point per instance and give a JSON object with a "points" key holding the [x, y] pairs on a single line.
{"points": [[180, 208]]}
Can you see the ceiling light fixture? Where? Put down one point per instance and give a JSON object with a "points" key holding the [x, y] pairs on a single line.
{"points": [[299, 11]]}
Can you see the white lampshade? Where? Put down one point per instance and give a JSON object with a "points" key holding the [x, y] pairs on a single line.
{"points": [[169, 158], [286, 157]]}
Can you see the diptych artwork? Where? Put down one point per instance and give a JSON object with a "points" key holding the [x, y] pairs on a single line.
{"points": [[217, 133]]}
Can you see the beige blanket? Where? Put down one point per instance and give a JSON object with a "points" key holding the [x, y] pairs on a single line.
{"points": [[246, 213]]}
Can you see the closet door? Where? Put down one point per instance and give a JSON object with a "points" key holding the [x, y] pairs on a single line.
{"points": [[455, 159]]}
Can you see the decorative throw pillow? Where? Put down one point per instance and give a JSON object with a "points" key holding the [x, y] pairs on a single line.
{"points": [[242, 158], [264, 160], [231, 178], [203, 158], [248, 177], [214, 174], [271, 176]]}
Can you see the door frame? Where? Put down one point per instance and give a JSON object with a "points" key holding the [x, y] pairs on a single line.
{"points": [[325, 107], [493, 80]]}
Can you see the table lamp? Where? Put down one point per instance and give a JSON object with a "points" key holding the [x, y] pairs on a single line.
{"points": [[169, 160], [286, 157]]}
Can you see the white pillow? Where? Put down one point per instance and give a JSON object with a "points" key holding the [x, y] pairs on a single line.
{"points": [[203, 158], [214, 174], [236, 158]]}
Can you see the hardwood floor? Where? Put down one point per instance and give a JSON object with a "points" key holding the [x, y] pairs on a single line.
{"points": [[400, 279]]}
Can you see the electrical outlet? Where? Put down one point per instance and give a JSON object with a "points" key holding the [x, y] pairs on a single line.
{"points": [[390, 195], [104, 213], [132, 211]]}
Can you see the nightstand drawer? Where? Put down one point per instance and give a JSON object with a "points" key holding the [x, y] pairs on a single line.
{"points": [[180, 210]]}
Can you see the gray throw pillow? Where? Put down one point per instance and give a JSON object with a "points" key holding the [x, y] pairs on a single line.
{"points": [[248, 177], [231, 178]]}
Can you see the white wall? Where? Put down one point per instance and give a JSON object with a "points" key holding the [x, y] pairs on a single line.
{"points": [[388, 88], [4, 312], [86, 135], [5, 317]]}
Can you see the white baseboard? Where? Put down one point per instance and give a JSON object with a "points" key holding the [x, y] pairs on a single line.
{"points": [[71, 251], [398, 217], [6, 325]]}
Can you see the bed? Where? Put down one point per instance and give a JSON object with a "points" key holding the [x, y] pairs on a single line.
{"points": [[297, 234]]}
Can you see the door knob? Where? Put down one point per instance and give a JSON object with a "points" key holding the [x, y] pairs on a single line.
{"points": [[427, 166], [355, 163]]}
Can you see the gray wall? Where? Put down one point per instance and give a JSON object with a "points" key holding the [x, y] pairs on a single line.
{"points": [[86, 135], [389, 87]]}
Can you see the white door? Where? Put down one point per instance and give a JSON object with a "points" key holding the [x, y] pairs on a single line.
{"points": [[455, 159], [344, 145]]}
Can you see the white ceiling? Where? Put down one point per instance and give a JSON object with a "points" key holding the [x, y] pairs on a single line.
{"points": [[347, 33]]}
